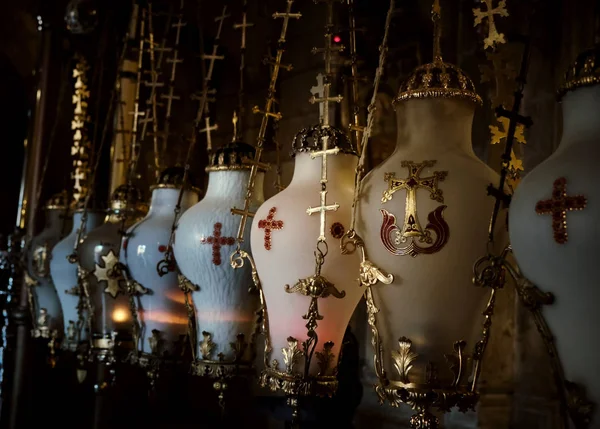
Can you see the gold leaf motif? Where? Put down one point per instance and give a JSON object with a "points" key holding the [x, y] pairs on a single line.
{"points": [[369, 274], [291, 355], [325, 358], [206, 346], [404, 358]]}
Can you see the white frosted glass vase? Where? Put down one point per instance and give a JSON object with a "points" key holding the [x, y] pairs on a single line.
{"points": [[554, 229], [424, 215], [162, 311], [204, 241], [64, 277], [284, 239]]}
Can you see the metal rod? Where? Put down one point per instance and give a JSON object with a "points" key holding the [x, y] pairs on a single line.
{"points": [[34, 152]]}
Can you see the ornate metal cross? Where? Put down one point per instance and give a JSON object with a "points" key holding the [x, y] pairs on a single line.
{"points": [[493, 36], [412, 227], [286, 19], [558, 206]]}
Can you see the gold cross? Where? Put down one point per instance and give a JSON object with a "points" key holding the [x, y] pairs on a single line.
{"points": [[276, 116], [412, 227], [243, 26], [207, 129], [322, 209], [286, 18]]}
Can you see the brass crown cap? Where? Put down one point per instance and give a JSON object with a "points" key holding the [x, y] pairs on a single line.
{"points": [[310, 140], [585, 71], [127, 197], [172, 178], [59, 201], [438, 80], [232, 156]]}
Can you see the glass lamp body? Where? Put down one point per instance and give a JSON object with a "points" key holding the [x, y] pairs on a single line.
{"points": [[38, 267], [64, 273], [98, 255], [204, 241], [285, 255], [162, 308], [567, 265], [432, 301]]}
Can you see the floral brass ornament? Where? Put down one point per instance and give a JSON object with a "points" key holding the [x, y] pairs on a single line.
{"points": [[291, 355], [325, 358], [404, 358], [394, 237], [269, 225], [337, 230], [207, 346], [493, 38], [558, 206], [110, 273], [40, 260]]}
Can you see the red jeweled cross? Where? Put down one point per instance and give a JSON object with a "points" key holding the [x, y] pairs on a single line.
{"points": [[558, 206], [217, 241], [269, 225]]}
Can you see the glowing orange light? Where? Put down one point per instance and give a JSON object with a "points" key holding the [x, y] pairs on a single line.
{"points": [[175, 296], [337, 39], [164, 317], [224, 316], [120, 315]]}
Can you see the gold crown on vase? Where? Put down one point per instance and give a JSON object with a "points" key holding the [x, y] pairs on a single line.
{"points": [[128, 198], [59, 201], [438, 80], [585, 71], [310, 139], [232, 156], [172, 178]]}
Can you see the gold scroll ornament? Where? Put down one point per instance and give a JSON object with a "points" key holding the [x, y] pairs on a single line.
{"points": [[392, 236]]}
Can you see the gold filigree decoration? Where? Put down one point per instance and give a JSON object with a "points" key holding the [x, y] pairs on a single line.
{"points": [[207, 346], [325, 358], [110, 274], [187, 287], [79, 124], [42, 330], [494, 37], [404, 358], [291, 355], [499, 134]]}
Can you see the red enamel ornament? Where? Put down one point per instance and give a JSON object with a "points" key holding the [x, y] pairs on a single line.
{"points": [[558, 206], [269, 224], [217, 241]]}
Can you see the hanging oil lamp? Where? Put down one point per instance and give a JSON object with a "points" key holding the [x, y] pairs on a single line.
{"points": [[223, 330], [309, 287], [63, 271], [162, 312], [556, 241], [46, 308], [100, 277], [423, 215]]}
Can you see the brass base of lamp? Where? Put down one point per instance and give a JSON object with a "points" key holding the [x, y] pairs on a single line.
{"points": [[422, 399], [298, 385]]}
